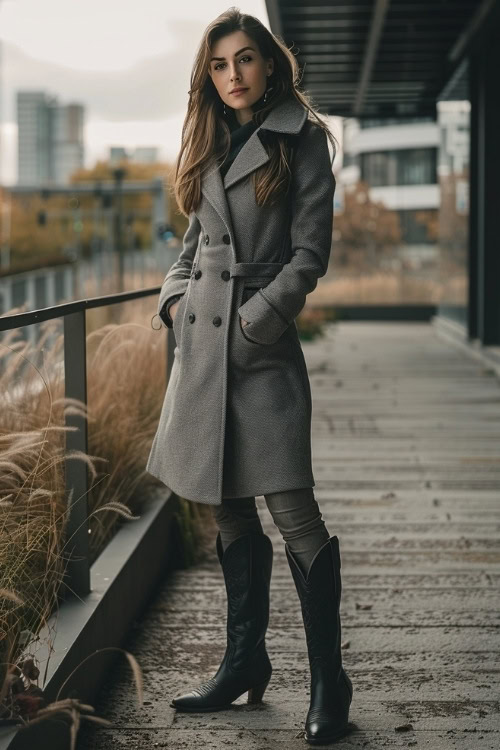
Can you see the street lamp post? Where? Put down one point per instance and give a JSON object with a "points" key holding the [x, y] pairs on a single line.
{"points": [[119, 174]]}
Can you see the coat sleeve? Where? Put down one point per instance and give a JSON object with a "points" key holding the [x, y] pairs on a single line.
{"points": [[177, 278], [165, 311], [273, 308]]}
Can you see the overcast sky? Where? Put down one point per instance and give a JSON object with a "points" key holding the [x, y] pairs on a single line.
{"points": [[128, 63]]}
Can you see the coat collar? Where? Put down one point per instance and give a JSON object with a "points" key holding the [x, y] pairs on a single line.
{"points": [[287, 117]]}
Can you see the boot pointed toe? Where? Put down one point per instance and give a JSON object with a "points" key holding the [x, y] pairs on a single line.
{"points": [[324, 726], [198, 699], [247, 565], [184, 702]]}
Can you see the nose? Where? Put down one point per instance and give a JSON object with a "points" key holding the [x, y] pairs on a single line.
{"points": [[235, 74]]}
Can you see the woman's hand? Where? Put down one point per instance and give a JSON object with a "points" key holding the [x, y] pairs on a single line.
{"points": [[173, 309]]}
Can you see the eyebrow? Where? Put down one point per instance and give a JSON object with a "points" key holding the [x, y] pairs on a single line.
{"points": [[236, 53]]}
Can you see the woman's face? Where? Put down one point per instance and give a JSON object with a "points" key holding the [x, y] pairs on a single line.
{"points": [[237, 63]]}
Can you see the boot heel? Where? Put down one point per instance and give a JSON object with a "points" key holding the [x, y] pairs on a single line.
{"points": [[256, 693]]}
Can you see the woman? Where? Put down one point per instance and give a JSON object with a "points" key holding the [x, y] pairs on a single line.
{"points": [[254, 177]]}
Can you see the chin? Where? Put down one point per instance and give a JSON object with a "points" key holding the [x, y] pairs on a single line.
{"points": [[242, 99]]}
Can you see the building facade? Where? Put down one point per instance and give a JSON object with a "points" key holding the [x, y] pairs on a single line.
{"points": [[398, 161], [50, 139]]}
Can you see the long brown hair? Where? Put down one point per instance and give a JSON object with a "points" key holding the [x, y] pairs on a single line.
{"points": [[205, 132]]}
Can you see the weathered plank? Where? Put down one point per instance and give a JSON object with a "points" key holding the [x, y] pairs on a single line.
{"points": [[406, 446]]}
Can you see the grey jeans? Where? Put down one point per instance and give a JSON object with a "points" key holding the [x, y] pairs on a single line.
{"points": [[295, 512]]}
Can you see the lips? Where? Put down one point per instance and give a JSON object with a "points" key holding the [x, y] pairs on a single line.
{"points": [[239, 91]]}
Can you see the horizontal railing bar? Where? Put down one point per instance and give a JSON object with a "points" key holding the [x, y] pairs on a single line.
{"points": [[103, 186], [8, 322]]}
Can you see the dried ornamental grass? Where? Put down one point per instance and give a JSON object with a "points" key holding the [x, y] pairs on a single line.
{"points": [[126, 380], [124, 404], [33, 510], [33, 503], [21, 696]]}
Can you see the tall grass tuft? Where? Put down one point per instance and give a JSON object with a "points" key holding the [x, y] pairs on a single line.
{"points": [[126, 380]]}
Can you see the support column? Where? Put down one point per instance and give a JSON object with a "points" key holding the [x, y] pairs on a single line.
{"points": [[474, 195], [487, 228]]}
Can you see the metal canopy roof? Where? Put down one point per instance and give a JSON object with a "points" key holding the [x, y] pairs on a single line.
{"points": [[378, 58]]}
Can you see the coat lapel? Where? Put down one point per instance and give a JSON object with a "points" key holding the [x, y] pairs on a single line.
{"points": [[213, 189], [287, 117]]}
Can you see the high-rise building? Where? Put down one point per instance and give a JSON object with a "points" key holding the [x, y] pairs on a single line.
{"points": [[139, 155], [117, 154], [67, 141], [50, 139], [145, 155]]}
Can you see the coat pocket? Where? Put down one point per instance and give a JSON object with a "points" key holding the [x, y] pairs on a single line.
{"points": [[177, 322], [248, 291]]}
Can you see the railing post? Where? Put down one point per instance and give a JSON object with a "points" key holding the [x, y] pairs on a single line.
{"points": [[75, 379]]}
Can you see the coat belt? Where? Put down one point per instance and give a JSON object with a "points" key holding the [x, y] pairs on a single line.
{"points": [[255, 269]]}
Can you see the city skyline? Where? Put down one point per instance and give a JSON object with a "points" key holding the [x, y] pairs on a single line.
{"points": [[120, 85]]}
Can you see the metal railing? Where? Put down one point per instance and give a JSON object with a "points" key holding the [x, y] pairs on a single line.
{"points": [[75, 387]]}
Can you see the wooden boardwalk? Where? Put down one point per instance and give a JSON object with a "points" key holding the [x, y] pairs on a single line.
{"points": [[407, 463]]}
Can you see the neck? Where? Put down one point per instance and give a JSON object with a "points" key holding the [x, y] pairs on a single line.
{"points": [[244, 115]]}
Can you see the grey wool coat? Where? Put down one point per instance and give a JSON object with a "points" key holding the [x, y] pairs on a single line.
{"points": [[236, 415]]}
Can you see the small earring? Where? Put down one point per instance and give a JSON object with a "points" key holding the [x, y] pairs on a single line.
{"points": [[225, 113]]}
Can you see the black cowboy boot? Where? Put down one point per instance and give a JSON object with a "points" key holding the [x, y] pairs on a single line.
{"points": [[246, 565], [331, 688]]}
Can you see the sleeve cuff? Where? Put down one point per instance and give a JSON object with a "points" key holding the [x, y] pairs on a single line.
{"points": [[265, 323], [164, 313]]}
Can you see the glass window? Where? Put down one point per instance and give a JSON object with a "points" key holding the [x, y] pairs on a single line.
{"points": [[18, 292], [378, 122], [417, 166], [40, 292], [412, 166], [59, 286]]}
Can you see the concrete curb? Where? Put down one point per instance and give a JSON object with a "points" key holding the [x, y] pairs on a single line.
{"points": [[455, 333], [123, 579]]}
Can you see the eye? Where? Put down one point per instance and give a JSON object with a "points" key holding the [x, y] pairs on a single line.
{"points": [[245, 57]]}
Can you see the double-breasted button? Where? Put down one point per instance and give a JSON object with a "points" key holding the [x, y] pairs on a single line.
{"points": [[197, 274], [207, 239], [226, 275], [217, 321], [226, 239], [191, 317]]}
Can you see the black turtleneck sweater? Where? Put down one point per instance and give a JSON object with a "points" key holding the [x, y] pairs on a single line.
{"points": [[239, 136]]}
